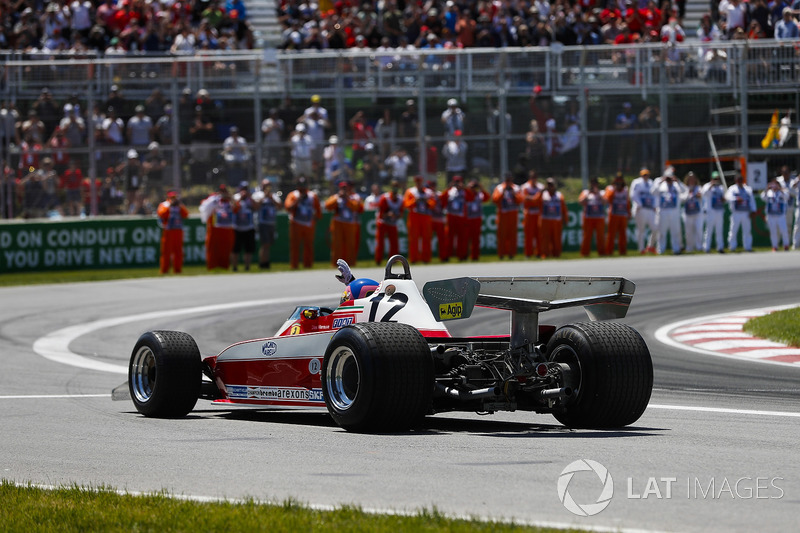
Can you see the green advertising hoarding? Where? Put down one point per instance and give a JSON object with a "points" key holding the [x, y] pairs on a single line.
{"points": [[135, 242]]}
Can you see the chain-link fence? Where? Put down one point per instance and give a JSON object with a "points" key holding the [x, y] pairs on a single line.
{"points": [[566, 112]]}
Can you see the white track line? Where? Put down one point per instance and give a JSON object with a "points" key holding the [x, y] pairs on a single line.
{"points": [[663, 333], [723, 410], [55, 345], [48, 396]]}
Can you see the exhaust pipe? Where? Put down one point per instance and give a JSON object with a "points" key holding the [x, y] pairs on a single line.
{"points": [[552, 394], [489, 392]]}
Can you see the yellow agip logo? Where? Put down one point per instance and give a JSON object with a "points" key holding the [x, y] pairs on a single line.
{"points": [[451, 311]]}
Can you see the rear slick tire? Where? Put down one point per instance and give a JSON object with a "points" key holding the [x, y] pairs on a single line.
{"points": [[614, 377], [165, 374], [378, 377]]}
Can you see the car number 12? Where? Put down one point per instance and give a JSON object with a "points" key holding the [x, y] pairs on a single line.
{"points": [[397, 301]]}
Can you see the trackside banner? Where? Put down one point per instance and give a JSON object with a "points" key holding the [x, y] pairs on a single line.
{"points": [[135, 242]]}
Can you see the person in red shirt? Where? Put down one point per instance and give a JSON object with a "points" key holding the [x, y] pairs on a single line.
{"points": [[506, 197], [346, 206], [594, 218], [390, 210], [475, 197], [419, 202], [439, 222], [455, 201], [304, 210], [171, 214], [217, 211], [71, 181], [528, 192], [618, 199], [554, 216]]}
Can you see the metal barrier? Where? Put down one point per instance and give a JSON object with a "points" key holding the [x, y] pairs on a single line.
{"points": [[583, 89]]}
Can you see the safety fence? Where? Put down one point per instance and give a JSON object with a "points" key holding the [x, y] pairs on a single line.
{"points": [[125, 242], [684, 97]]}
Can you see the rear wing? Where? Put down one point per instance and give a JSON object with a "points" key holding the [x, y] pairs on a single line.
{"points": [[603, 298]]}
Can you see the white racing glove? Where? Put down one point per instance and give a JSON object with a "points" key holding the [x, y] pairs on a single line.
{"points": [[344, 275]]}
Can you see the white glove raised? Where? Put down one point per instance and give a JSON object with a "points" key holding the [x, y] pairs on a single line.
{"points": [[344, 275]]}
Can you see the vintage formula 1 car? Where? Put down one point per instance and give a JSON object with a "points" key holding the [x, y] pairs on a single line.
{"points": [[385, 361]]}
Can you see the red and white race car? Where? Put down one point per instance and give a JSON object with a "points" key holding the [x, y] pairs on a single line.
{"points": [[385, 361]]}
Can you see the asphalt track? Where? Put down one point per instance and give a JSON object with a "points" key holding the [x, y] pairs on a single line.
{"points": [[715, 451]]}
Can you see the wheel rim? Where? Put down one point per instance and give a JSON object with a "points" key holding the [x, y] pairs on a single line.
{"points": [[343, 378], [566, 354], [143, 374]]}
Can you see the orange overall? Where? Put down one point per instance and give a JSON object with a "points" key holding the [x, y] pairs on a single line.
{"points": [[528, 192], [474, 200], [304, 210], [220, 236], [390, 209], [344, 226], [594, 221], [618, 216], [419, 203], [456, 204], [171, 219], [506, 197], [554, 216], [439, 225]]}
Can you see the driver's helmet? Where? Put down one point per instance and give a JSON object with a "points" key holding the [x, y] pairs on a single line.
{"points": [[359, 288]]}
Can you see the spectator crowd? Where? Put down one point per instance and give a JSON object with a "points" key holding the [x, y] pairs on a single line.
{"points": [[124, 26], [396, 24]]}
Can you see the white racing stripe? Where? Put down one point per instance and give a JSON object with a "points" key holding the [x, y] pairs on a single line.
{"points": [[724, 410], [55, 345]]}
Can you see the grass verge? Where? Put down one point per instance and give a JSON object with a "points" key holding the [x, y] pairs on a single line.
{"points": [[780, 326], [30, 509]]}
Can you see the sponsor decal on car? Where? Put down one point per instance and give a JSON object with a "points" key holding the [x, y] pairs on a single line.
{"points": [[451, 310], [269, 348], [342, 322], [291, 394]]}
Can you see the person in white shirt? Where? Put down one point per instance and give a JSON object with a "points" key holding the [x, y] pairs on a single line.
{"points": [[692, 213], [643, 206], [139, 129], [302, 145], [667, 194], [714, 210], [775, 199], [272, 129], [743, 205], [236, 154]]}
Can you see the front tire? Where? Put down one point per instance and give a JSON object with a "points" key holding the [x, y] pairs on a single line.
{"points": [[165, 374], [611, 373], [377, 376]]}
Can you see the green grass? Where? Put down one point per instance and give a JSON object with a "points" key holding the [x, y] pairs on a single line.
{"points": [[27, 509], [780, 326]]}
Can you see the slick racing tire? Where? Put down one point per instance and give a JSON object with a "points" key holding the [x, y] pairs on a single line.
{"points": [[377, 377], [611, 374], [165, 374]]}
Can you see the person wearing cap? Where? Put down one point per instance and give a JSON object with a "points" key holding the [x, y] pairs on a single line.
{"points": [[785, 181], [455, 155], [346, 205], [244, 227], [334, 158], [419, 202], [743, 206], [154, 166], [714, 212], [618, 200], [626, 124], [453, 118], [70, 183], [273, 129], [47, 109], [59, 147], [643, 207], [171, 214], [531, 213], [554, 218], [692, 214], [132, 177], [667, 193], [507, 199], [73, 127], [216, 212], [304, 210], [268, 205], [316, 124], [787, 29], [139, 129], [390, 210], [316, 108], [398, 164], [302, 147], [593, 218], [776, 200], [236, 154], [455, 203]]}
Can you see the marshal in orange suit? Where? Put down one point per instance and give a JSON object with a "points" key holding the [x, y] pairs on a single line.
{"points": [[594, 218], [554, 217], [171, 214], [419, 202], [304, 211], [506, 197], [345, 206], [618, 198]]}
